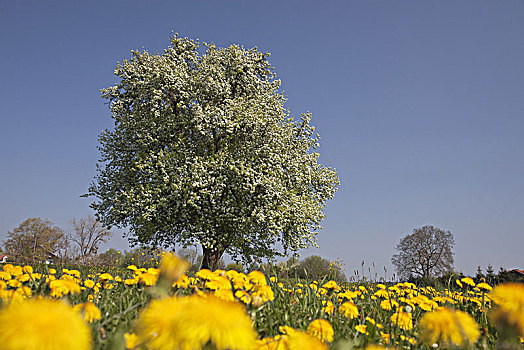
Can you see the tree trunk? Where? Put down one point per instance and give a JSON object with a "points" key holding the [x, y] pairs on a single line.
{"points": [[211, 257]]}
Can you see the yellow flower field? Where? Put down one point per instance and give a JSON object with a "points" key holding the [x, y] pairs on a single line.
{"points": [[163, 308]]}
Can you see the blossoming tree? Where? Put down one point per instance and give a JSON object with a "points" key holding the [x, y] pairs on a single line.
{"points": [[203, 151]]}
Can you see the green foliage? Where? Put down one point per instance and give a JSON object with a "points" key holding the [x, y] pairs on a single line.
{"points": [[204, 152], [317, 268], [33, 240], [311, 268], [235, 266]]}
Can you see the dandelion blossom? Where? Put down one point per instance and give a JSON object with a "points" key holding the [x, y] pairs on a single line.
{"points": [[402, 319], [191, 322], [131, 340], [361, 328], [509, 298], [62, 287], [295, 340], [321, 329], [43, 324], [468, 280], [448, 326], [91, 312], [172, 267], [349, 310], [299, 341]]}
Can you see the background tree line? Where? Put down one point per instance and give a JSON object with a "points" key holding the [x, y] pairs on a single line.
{"points": [[38, 240]]}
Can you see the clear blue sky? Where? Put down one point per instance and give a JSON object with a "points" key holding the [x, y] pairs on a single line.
{"points": [[419, 105]]}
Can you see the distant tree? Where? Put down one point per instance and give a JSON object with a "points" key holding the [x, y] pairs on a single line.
{"points": [[204, 152], [88, 234], [192, 256], [235, 266], [34, 240], [111, 257], [141, 257], [479, 276], [427, 252], [317, 268], [490, 274]]}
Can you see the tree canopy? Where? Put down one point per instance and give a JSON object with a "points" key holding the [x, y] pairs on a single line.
{"points": [[203, 151], [33, 240], [427, 252]]}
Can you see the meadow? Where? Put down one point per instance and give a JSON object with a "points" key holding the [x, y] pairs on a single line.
{"points": [[163, 308]]}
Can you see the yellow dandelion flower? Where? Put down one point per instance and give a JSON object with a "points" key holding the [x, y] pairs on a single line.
{"points": [[42, 324], [388, 304], [375, 347], [243, 296], [330, 285], [257, 278], [402, 319], [63, 287], [265, 292], [459, 283], [468, 280], [27, 269], [279, 342], [14, 283], [131, 340], [91, 312], [362, 328], [373, 322], [182, 282], [240, 281], [131, 281], [8, 267], [410, 340], [172, 267], [225, 294], [105, 277], [509, 312], [300, 341], [297, 340], [16, 271], [148, 279], [75, 273], [190, 322], [484, 286], [348, 294], [219, 282], [328, 307], [349, 310], [24, 291], [448, 326], [89, 283], [205, 274], [4, 275], [385, 337], [381, 293], [321, 329], [23, 278]]}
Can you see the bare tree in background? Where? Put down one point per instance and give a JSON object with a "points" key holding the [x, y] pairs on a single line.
{"points": [[88, 234], [427, 252]]}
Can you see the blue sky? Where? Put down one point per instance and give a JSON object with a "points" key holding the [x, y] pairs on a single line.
{"points": [[419, 106]]}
